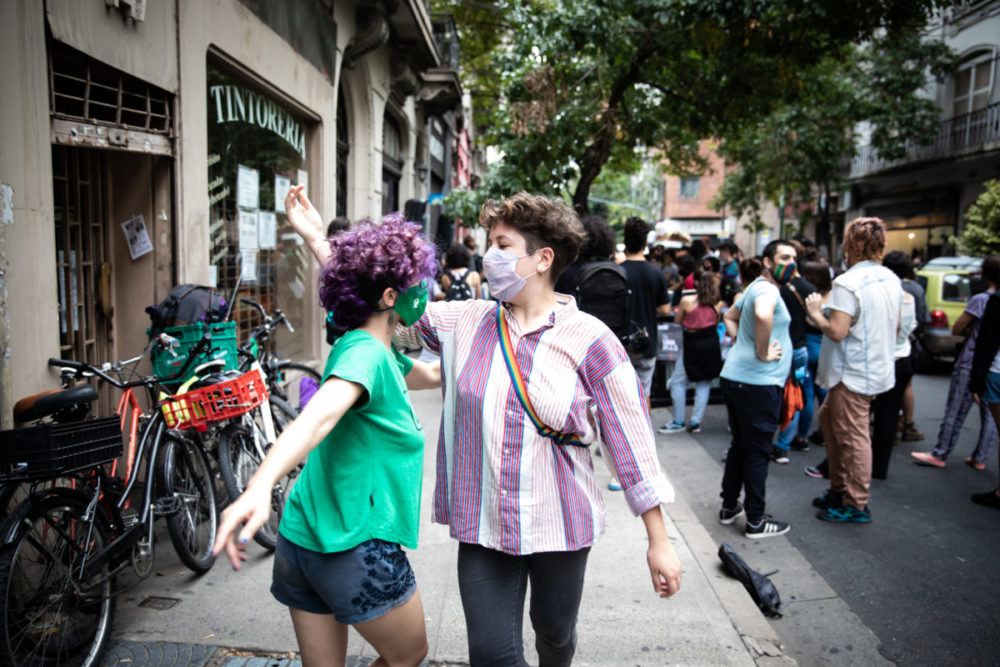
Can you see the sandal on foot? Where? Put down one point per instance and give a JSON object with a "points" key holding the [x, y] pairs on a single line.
{"points": [[927, 459], [975, 465]]}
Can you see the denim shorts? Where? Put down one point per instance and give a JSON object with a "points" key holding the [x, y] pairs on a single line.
{"points": [[356, 585], [991, 390]]}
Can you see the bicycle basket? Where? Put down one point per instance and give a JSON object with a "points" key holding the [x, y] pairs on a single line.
{"points": [[54, 450], [199, 407]]}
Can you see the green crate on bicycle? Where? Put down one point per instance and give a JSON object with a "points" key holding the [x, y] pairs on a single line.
{"points": [[222, 346]]}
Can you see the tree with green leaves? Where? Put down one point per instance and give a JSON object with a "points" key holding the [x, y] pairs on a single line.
{"points": [[582, 84], [796, 154], [981, 234]]}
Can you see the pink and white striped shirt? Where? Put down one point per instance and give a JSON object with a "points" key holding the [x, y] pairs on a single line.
{"points": [[500, 483]]}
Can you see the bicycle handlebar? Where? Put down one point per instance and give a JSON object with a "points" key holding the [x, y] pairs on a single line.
{"points": [[163, 340]]}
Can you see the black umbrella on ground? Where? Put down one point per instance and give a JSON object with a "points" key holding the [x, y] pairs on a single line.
{"points": [[758, 585]]}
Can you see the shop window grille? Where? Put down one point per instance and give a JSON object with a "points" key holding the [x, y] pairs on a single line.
{"points": [[82, 88]]}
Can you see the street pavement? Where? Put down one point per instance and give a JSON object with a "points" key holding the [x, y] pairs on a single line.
{"points": [[852, 594]]}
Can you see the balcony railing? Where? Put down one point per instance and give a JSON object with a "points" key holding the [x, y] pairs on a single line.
{"points": [[957, 135], [446, 37]]}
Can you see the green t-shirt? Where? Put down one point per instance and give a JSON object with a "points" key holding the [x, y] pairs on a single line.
{"points": [[363, 480]]}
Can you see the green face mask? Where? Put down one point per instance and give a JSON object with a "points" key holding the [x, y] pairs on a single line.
{"points": [[411, 303]]}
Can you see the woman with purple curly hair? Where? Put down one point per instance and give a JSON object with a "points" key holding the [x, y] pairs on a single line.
{"points": [[339, 559]]}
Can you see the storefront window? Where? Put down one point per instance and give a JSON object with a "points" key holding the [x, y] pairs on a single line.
{"points": [[256, 151]]}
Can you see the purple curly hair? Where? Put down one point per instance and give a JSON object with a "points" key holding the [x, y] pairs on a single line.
{"points": [[367, 259]]}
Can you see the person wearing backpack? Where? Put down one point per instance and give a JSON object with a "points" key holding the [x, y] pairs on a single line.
{"points": [[650, 298], [459, 282], [700, 360]]}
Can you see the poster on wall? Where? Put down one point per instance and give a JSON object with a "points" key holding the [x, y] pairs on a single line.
{"points": [[303, 179], [137, 236], [281, 187], [248, 230], [248, 260], [247, 187], [213, 275], [267, 227]]}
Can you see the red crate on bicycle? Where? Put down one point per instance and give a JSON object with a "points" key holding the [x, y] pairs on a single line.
{"points": [[197, 408]]}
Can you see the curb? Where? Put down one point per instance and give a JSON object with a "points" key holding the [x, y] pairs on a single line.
{"points": [[759, 636]]}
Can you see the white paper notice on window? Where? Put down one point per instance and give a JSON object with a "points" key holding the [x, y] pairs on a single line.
{"points": [[303, 179], [281, 187], [267, 224], [247, 187], [248, 230], [213, 275], [248, 260], [137, 236]]}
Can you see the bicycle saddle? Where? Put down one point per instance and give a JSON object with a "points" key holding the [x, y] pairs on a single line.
{"points": [[50, 402]]}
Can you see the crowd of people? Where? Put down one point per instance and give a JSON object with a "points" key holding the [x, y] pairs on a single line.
{"points": [[534, 367]]}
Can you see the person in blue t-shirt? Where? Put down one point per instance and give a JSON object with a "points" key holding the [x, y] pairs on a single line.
{"points": [[752, 380]]}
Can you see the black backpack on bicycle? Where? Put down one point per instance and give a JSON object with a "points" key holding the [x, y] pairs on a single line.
{"points": [[187, 304], [602, 290]]}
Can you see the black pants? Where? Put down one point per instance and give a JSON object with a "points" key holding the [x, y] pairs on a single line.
{"points": [[493, 585], [885, 409], [754, 411]]}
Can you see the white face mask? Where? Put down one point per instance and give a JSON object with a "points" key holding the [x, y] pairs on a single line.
{"points": [[500, 269]]}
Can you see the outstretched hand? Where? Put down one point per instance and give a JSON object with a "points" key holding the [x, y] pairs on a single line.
{"points": [[240, 521]]}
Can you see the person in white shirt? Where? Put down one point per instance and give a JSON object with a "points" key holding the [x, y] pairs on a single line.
{"points": [[860, 323]]}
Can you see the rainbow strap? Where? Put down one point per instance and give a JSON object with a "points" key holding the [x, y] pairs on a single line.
{"points": [[521, 387]]}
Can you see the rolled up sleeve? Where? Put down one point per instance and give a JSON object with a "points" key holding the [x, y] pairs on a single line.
{"points": [[627, 434]]}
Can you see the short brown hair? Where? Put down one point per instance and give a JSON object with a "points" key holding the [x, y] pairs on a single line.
{"points": [[545, 222], [864, 239]]}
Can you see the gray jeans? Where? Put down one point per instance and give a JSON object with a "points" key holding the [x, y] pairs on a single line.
{"points": [[493, 586], [955, 412]]}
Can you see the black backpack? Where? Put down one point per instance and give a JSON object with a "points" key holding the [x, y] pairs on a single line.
{"points": [[458, 289], [602, 290], [187, 304]]}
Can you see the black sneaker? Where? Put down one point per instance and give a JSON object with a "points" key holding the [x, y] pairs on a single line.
{"points": [[767, 527], [779, 455], [799, 444], [816, 438], [828, 500], [986, 498], [726, 517]]}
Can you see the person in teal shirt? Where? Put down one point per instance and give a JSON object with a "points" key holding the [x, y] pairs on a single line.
{"points": [[339, 559], [752, 381]]}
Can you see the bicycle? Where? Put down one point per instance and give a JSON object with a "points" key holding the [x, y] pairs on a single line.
{"points": [[280, 373], [63, 547], [243, 445]]}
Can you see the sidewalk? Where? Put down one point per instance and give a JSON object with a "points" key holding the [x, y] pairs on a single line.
{"points": [[226, 618]]}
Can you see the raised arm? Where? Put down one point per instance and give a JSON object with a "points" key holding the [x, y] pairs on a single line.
{"points": [[307, 223]]}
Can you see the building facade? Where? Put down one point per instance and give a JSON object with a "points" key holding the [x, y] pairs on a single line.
{"points": [[687, 200], [148, 144], [923, 196]]}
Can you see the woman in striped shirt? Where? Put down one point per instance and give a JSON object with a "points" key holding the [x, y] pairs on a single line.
{"points": [[529, 382]]}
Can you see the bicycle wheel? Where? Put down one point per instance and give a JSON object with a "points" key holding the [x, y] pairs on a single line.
{"points": [[286, 382], [239, 460], [186, 476], [48, 614]]}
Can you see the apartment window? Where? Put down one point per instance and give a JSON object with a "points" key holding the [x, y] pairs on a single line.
{"points": [[392, 164], [973, 83], [690, 188]]}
